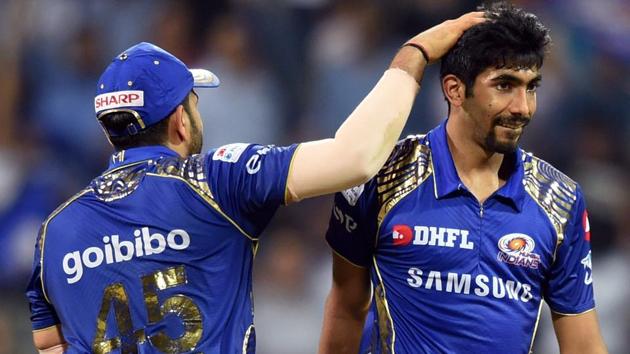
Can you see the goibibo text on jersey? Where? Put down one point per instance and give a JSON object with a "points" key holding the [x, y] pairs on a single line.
{"points": [[114, 250]]}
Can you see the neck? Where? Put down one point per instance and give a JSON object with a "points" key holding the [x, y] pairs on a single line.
{"points": [[469, 155], [477, 167], [180, 149]]}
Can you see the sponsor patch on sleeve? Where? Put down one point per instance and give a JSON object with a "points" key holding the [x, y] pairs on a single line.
{"points": [[352, 195], [230, 152]]}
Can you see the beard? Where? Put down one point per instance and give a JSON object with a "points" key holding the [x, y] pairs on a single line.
{"points": [[509, 143], [196, 139]]}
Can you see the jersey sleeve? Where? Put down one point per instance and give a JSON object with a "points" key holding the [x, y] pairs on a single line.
{"points": [[353, 226], [570, 286], [249, 182], [43, 314]]}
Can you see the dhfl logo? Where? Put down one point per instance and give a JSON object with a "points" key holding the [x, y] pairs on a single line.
{"points": [[401, 235]]}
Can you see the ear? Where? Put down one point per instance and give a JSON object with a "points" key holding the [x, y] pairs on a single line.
{"points": [[179, 127], [454, 90]]}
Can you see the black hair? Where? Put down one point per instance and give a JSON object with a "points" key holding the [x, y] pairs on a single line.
{"points": [[155, 134], [510, 38]]}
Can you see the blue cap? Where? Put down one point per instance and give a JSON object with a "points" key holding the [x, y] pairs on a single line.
{"points": [[148, 82]]}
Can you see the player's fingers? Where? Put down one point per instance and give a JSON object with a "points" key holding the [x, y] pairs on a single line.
{"points": [[469, 20], [478, 20], [473, 14], [473, 18]]}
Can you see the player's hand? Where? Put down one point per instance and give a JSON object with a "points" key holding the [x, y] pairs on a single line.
{"points": [[438, 39]]}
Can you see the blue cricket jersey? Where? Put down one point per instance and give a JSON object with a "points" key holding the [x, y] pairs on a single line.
{"points": [[451, 275], [155, 255]]}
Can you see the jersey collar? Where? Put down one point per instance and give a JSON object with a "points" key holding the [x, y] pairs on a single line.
{"points": [[447, 181], [129, 156]]}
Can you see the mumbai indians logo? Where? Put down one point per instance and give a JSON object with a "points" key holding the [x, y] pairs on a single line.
{"points": [[516, 249]]}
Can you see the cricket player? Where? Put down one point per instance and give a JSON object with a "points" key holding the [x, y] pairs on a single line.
{"points": [[155, 255], [453, 246]]}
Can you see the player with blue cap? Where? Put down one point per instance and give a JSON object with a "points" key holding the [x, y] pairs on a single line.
{"points": [[149, 83], [155, 255]]}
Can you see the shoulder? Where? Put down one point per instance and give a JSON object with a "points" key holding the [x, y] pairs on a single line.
{"points": [[403, 157], [555, 192], [541, 171], [407, 168], [60, 210], [410, 158], [193, 171], [64, 206], [413, 148], [542, 179]]}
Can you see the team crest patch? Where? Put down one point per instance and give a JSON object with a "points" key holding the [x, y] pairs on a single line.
{"points": [[517, 249], [352, 194], [230, 152]]}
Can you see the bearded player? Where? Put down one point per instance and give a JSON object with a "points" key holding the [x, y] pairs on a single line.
{"points": [[461, 236], [155, 255]]}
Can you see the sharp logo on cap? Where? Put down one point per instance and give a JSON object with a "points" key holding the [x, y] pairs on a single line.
{"points": [[118, 99]]}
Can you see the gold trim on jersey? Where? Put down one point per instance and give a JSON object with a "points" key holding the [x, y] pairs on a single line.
{"points": [[124, 180], [344, 258], [42, 236], [572, 314], [191, 169], [118, 184], [45, 328], [407, 168], [286, 185], [209, 200], [531, 343], [387, 333], [255, 247], [554, 192]]}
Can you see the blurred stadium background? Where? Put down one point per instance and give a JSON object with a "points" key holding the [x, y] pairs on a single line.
{"points": [[293, 70]]}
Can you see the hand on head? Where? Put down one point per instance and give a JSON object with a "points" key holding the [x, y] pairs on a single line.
{"points": [[439, 39]]}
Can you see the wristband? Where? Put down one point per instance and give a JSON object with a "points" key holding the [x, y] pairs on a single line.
{"points": [[420, 48]]}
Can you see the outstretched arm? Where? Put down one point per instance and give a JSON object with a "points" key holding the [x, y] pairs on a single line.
{"points": [[579, 333], [367, 137]]}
